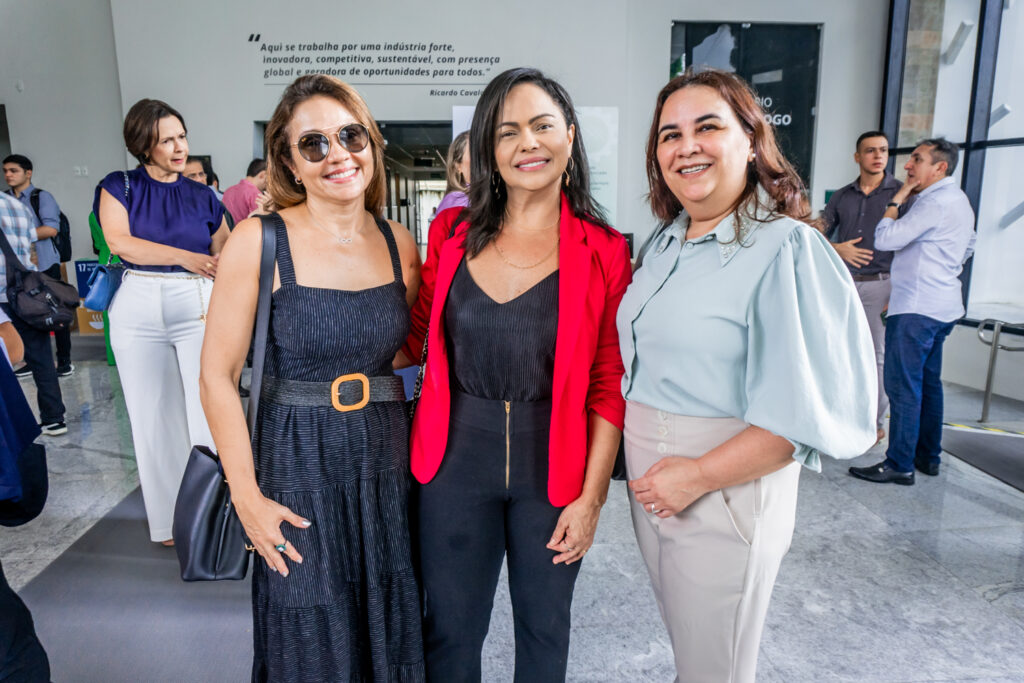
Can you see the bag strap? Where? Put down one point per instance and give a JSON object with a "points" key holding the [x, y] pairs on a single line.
{"points": [[423, 353], [13, 262], [418, 386], [34, 199], [268, 258]]}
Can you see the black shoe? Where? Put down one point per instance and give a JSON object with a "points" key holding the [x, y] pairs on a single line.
{"points": [[883, 474], [23, 372], [53, 428], [926, 467], [66, 370]]}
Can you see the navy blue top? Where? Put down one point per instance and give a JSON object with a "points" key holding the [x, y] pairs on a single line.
{"points": [[502, 351], [182, 214]]}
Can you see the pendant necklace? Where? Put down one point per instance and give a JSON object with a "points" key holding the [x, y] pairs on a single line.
{"points": [[341, 240]]}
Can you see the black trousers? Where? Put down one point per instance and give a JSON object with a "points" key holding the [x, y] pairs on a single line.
{"points": [[22, 657], [490, 499], [39, 357], [62, 337]]}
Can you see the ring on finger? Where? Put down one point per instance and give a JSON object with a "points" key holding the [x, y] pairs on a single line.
{"points": [[653, 509], [281, 547]]}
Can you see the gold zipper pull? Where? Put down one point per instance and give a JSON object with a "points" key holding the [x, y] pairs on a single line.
{"points": [[508, 447]]}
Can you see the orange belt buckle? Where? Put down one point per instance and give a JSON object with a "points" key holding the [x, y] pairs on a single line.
{"points": [[355, 376]]}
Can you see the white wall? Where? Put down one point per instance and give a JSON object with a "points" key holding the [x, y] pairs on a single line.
{"points": [[197, 56], [965, 361], [67, 111], [606, 52]]}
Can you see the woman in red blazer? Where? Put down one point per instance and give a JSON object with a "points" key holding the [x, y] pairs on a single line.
{"points": [[521, 410]]}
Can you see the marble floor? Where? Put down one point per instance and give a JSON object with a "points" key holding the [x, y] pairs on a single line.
{"points": [[883, 583]]}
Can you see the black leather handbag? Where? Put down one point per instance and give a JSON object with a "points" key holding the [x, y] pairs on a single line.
{"points": [[41, 301], [208, 535]]}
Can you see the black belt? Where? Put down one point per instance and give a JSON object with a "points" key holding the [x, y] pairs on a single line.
{"points": [[345, 393], [857, 277]]}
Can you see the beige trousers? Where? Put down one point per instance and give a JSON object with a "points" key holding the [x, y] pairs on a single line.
{"points": [[714, 564]]}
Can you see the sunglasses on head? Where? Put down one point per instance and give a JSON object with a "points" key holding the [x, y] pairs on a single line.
{"points": [[315, 146]]}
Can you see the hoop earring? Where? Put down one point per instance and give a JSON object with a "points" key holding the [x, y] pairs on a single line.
{"points": [[298, 180], [569, 169], [496, 183]]}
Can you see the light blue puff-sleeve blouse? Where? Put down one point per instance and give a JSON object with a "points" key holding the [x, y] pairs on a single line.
{"points": [[767, 329]]}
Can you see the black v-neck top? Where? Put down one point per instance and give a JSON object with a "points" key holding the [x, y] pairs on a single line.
{"points": [[502, 351]]}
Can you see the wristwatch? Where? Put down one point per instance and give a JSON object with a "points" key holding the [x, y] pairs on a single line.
{"points": [[892, 205]]}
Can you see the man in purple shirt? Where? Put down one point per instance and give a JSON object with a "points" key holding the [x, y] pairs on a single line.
{"points": [[240, 199], [850, 219], [930, 244]]}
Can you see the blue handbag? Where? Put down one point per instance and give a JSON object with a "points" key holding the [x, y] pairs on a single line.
{"points": [[103, 284], [105, 280]]}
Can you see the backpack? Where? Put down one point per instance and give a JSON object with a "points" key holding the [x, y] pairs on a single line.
{"points": [[62, 240], [41, 301]]}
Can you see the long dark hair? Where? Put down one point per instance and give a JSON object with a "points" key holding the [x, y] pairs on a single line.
{"points": [[487, 191], [769, 169]]}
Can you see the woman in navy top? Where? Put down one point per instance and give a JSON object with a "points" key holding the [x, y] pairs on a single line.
{"points": [[168, 230]]}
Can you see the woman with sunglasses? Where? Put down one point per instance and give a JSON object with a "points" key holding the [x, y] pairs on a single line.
{"points": [[169, 231], [747, 355], [516, 430], [322, 489]]}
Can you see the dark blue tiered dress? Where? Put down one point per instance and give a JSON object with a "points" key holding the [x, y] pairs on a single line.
{"points": [[350, 611]]}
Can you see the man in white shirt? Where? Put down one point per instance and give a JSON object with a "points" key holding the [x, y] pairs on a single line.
{"points": [[931, 243]]}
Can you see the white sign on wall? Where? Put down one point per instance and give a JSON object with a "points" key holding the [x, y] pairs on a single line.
{"points": [[599, 128]]}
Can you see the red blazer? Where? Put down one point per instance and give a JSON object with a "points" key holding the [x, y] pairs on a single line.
{"points": [[594, 272]]}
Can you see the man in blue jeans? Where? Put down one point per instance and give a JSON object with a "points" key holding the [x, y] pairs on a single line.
{"points": [[931, 243]]}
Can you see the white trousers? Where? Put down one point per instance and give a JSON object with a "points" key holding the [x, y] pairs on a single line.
{"points": [[712, 566], [156, 332]]}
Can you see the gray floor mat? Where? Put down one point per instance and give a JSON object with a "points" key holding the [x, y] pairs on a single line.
{"points": [[1000, 455], [113, 608]]}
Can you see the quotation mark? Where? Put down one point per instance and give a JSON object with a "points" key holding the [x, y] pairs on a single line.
{"points": [[254, 37]]}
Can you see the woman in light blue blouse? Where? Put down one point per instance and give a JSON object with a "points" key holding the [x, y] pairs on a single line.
{"points": [[747, 354]]}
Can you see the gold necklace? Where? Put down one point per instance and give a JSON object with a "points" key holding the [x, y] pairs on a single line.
{"points": [[529, 267], [341, 240]]}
